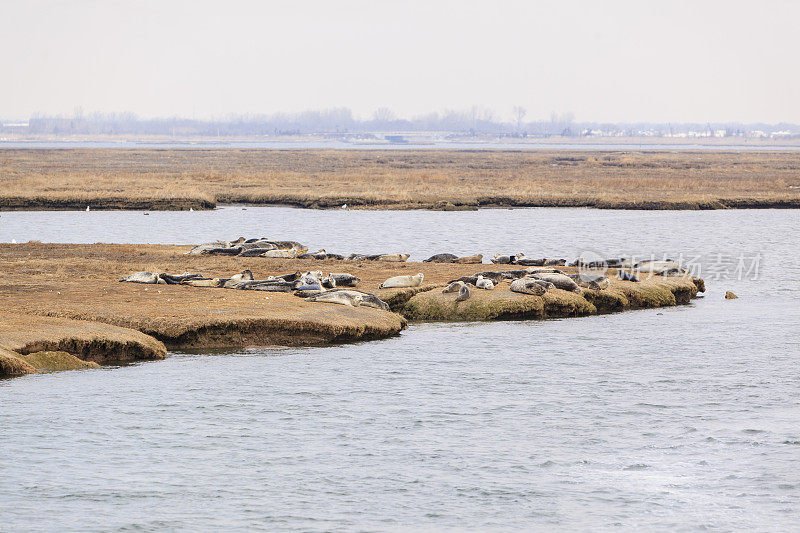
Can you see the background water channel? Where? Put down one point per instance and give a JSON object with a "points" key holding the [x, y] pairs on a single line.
{"points": [[671, 419]]}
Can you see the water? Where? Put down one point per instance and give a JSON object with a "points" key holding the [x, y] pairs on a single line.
{"points": [[434, 145], [667, 419]]}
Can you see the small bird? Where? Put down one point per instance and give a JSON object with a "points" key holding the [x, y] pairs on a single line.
{"points": [[190, 209], [87, 207], [13, 241], [344, 206]]}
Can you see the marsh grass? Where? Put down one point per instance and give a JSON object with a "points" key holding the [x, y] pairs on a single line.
{"points": [[180, 179]]}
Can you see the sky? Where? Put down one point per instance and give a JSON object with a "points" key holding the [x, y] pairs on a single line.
{"points": [[603, 61]]}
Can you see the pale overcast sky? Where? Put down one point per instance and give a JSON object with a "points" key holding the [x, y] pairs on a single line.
{"points": [[605, 60]]}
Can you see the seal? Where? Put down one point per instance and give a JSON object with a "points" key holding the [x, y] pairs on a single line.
{"points": [[143, 277], [483, 283], [453, 287], [403, 281], [351, 298], [561, 281], [527, 286], [464, 293], [176, 279], [245, 275], [345, 280], [281, 254], [590, 280], [441, 258], [530, 262], [655, 266], [254, 252], [470, 259], [555, 262], [367, 299], [393, 258], [624, 275], [204, 282], [507, 259]]}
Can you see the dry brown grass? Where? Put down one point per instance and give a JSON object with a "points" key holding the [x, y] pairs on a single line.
{"points": [[175, 179]]}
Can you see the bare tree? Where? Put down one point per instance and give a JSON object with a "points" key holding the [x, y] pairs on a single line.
{"points": [[383, 115], [519, 114]]}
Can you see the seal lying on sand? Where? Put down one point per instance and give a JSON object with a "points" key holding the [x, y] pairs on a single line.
{"points": [[245, 275], [393, 258], [527, 286], [507, 259], [483, 283], [470, 259], [441, 258], [561, 281], [367, 299], [591, 281], [453, 287], [143, 277], [345, 280], [403, 281], [176, 279], [655, 266], [351, 298]]}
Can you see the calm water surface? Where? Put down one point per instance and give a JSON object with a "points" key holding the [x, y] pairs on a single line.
{"points": [[674, 419]]}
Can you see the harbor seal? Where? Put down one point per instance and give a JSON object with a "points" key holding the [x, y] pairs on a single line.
{"points": [[527, 286], [624, 275], [280, 254], [591, 280], [453, 287], [345, 280], [367, 299], [561, 281], [483, 283], [204, 282], [143, 277], [470, 259], [656, 266], [507, 259], [351, 298], [245, 275], [464, 293], [393, 258], [441, 258], [403, 281], [176, 279], [525, 261]]}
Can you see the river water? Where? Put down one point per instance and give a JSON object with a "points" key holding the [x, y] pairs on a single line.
{"points": [[672, 419]]}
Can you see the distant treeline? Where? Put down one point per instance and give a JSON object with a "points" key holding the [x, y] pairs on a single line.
{"points": [[341, 121]]}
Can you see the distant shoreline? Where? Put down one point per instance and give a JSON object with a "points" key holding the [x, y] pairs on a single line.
{"points": [[445, 180]]}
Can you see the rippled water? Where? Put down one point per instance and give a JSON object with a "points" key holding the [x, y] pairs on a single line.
{"points": [[671, 419]]}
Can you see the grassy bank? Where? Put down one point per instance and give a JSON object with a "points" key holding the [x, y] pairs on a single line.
{"points": [[66, 297], [423, 179]]}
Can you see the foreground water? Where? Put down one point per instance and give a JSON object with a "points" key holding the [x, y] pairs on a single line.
{"points": [[671, 419]]}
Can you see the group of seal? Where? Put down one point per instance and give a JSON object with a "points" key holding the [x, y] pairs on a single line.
{"points": [[263, 247], [531, 280], [522, 259], [313, 286]]}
